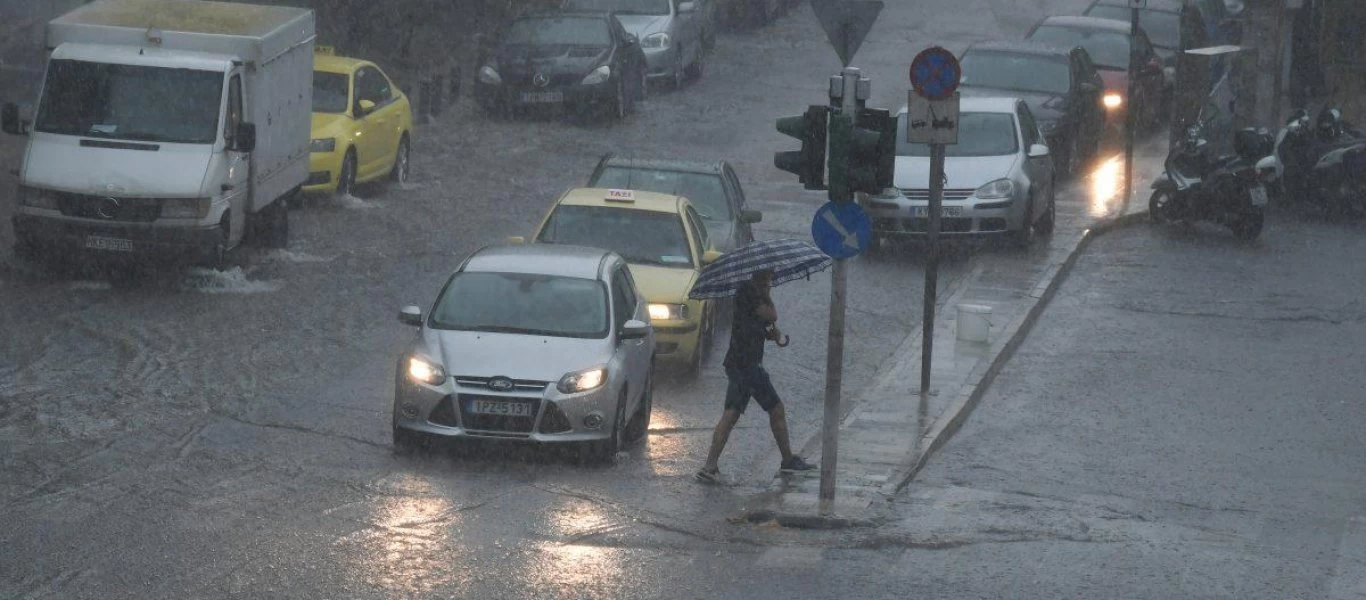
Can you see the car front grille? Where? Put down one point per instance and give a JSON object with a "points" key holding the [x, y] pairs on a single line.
{"points": [[498, 423], [521, 385], [140, 210], [949, 194]]}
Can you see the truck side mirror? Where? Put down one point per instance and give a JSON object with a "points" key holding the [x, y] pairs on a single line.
{"points": [[244, 139], [9, 119]]}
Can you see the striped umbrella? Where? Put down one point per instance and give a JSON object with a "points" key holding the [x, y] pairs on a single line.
{"points": [[788, 259]]}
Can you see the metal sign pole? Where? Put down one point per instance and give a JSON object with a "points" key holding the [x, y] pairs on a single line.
{"points": [[834, 351], [931, 268], [1130, 118]]}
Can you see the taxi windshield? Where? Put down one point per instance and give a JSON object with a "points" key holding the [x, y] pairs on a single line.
{"points": [[330, 92], [641, 237], [702, 189], [523, 303]]}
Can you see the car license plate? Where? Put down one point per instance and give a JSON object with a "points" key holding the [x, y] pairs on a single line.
{"points": [[501, 408], [948, 211], [1259, 196], [97, 242], [542, 97]]}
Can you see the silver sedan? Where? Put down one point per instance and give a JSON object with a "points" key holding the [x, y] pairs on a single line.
{"points": [[998, 178], [674, 34], [543, 343]]}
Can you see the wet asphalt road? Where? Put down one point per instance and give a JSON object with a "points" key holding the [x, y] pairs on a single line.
{"points": [[206, 433]]}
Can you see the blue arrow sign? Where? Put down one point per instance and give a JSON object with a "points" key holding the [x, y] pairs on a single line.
{"points": [[841, 230]]}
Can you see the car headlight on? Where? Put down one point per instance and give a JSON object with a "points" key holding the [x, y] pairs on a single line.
{"points": [[1001, 188], [1113, 100], [668, 312], [582, 381], [185, 208], [656, 40], [426, 371], [323, 145], [489, 76], [36, 198], [598, 75]]}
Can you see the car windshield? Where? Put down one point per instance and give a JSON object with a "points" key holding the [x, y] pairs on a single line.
{"points": [[559, 31], [1023, 72], [127, 102], [330, 93], [641, 237], [1163, 28], [622, 7], [704, 190], [979, 134], [1108, 49], [523, 303]]}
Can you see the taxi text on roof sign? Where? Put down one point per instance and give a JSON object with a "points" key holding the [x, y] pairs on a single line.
{"points": [[327, 50], [621, 196]]}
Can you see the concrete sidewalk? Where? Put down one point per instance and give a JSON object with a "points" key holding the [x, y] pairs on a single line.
{"points": [[889, 431]]}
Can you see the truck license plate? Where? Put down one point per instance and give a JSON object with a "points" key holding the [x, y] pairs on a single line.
{"points": [[1259, 196], [499, 408], [542, 97], [98, 242], [948, 211]]}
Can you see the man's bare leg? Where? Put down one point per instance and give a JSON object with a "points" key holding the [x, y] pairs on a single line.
{"points": [[777, 421], [719, 437]]}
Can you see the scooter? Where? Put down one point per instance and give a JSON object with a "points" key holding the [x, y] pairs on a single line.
{"points": [[1322, 165], [1202, 185]]}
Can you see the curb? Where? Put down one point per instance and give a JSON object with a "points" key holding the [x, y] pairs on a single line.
{"points": [[982, 377]]}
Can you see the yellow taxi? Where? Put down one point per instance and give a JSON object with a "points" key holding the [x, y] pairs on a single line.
{"points": [[362, 125], [663, 240]]}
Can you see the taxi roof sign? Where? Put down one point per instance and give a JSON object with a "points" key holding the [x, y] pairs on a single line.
{"points": [[620, 196], [324, 50]]}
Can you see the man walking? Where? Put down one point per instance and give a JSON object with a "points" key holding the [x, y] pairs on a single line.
{"points": [[753, 322]]}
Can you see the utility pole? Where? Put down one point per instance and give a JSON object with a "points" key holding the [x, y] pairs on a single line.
{"points": [[1130, 116]]}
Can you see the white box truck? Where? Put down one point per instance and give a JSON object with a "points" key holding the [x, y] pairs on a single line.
{"points": [[165, 127]]}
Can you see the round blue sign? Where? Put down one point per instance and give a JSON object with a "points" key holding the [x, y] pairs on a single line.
{"points": [[935, 73], [841, 229]]}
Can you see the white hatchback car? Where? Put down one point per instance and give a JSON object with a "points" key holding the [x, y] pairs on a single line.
{"points": [[544, 343], [998, 178]]}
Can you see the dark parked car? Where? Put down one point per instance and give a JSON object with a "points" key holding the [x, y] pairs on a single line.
{"points": [[712, 187], [582, 59], [1062, 88], [1107, 42]]}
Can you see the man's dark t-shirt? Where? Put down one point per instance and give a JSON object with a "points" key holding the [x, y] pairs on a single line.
{"points": [[748, 330]]}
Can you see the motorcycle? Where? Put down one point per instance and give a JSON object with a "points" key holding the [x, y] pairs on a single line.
{"points": [[1323, 164], [1200, 184]]}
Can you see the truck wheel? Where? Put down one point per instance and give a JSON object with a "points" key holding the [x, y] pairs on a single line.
{"points": [[402, 166]]}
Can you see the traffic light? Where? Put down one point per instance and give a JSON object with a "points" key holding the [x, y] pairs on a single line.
{"points": [[862, 153], [808, 164]]}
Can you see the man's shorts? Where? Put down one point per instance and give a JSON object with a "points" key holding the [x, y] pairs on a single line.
{"points": [[747, 382]]}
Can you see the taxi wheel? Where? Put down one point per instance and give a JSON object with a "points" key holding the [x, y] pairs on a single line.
{"points": [[346, 179], [402, 165]]}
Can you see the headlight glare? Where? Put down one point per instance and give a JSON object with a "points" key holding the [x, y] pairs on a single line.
{"points": [[36, 198], [1113, 100], [599, 75], [185, 208], [582, 381], [323, 145], [426, 371], [668, 312], [1001, 188], [655, 40], [488, 75]]}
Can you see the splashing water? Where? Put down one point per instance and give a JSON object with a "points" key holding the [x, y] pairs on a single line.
{"points": [[231, 281]]}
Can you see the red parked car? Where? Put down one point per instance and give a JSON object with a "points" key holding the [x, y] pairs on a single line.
{"points": [[1107, 41]]}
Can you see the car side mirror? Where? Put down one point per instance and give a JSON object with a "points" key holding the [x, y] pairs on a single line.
{"points": [[751, 216], [410, 315], [516, 239], [634, 329], [244, 139], [366, 107], [1038, 151], [710, 257], [686, 7], [9, 119]]}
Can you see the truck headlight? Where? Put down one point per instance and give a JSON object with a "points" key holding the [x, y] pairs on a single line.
{"points": [[426, 371], [36, 198], [185, 208], [582, 381], [655, 40], [323, 145], [489, 76], [1001, 188], [1113, 100], [598, 75], [668, 312]]}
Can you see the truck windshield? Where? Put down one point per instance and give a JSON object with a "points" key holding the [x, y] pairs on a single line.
{"points": [[154, 104]]}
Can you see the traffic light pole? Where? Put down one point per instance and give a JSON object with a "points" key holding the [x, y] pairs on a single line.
{"points": [[834, 349], [931, 271]]}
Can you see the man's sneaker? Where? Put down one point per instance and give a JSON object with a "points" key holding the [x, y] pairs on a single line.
{"points": [[795, 464], [708, 475]]}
